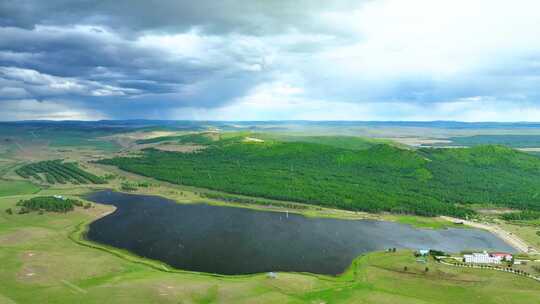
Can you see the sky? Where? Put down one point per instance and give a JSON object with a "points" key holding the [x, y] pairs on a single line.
{"points": [[474, 60]]}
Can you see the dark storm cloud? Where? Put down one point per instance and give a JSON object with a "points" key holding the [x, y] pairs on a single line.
{"points": [[82, 47], [88, 55], [246, 16], [143, 58], [88, 48]]}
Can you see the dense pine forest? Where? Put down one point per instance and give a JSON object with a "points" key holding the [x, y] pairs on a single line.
{"points": [[381, 178]]}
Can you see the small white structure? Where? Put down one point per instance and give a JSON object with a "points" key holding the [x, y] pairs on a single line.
{"points": [[482, 258], [59, 197], [423, 252], [271, 275]]}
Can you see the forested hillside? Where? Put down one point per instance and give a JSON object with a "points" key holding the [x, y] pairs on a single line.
{"points": [[381, 178]]}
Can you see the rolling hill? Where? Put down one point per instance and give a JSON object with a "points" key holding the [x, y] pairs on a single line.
{"points": [[378, 178]]}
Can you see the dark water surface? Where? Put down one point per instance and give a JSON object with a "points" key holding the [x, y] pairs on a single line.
{"points": [[228, 240]]}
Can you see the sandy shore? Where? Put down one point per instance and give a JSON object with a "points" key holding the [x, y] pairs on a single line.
{"points": [[510, 238]]}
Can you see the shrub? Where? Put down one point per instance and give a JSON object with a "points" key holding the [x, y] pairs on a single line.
{"points": [[521, 216], [434, 252]]}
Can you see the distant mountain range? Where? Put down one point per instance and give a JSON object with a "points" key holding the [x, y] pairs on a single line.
{"points": [[245, 124]]}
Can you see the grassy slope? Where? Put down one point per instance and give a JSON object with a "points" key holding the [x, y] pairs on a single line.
{"points": [[383, 177], [59, 137], [12, 187], [529, 231], [200, 138], [346, 142], [64, 272]]}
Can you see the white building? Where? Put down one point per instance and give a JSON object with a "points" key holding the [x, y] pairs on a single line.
{"points": [[482, 258], [423, 252]]}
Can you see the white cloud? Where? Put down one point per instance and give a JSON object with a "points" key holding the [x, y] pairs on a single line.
{"points": [[41, 84]]}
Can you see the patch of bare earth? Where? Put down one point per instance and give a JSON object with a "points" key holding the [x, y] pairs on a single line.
{"points": [[253, 139], [31, 274], [23, 235], [529, 149], [497, 211], [127, 140]]}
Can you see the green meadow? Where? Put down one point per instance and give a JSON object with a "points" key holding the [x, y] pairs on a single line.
{"points": [[17, 187], [43, 258]]}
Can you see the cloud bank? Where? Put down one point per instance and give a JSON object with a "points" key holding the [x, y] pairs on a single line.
{"points": [[258, 60]]}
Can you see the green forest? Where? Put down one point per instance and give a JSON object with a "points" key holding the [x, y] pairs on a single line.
{"points": [[56, 171], [521, 216], [509, 140], [48, 203], [381, 178]]}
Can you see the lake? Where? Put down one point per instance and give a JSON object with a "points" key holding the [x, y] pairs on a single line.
{"points": [[229, 240]]}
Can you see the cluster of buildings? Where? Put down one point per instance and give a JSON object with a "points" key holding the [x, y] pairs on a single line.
{"points": [[487, 258]]}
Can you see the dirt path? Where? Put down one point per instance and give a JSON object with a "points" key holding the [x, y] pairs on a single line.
{"points": [[510, 238]]}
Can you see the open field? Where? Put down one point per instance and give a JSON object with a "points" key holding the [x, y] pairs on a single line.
{"points": [[16, 187], [40, 261]]}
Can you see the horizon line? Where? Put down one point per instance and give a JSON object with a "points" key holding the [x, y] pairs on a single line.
{"points": [[269, 120]]}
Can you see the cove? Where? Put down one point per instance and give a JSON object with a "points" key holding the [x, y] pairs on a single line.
{"points": [[229, 240]]}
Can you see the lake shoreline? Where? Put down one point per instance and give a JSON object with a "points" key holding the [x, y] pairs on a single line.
{"points": [[233, 235]]}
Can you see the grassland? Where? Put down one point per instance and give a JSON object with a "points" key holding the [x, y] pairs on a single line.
{"points": [[40, 261], [59, 135], [16, 187]]}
